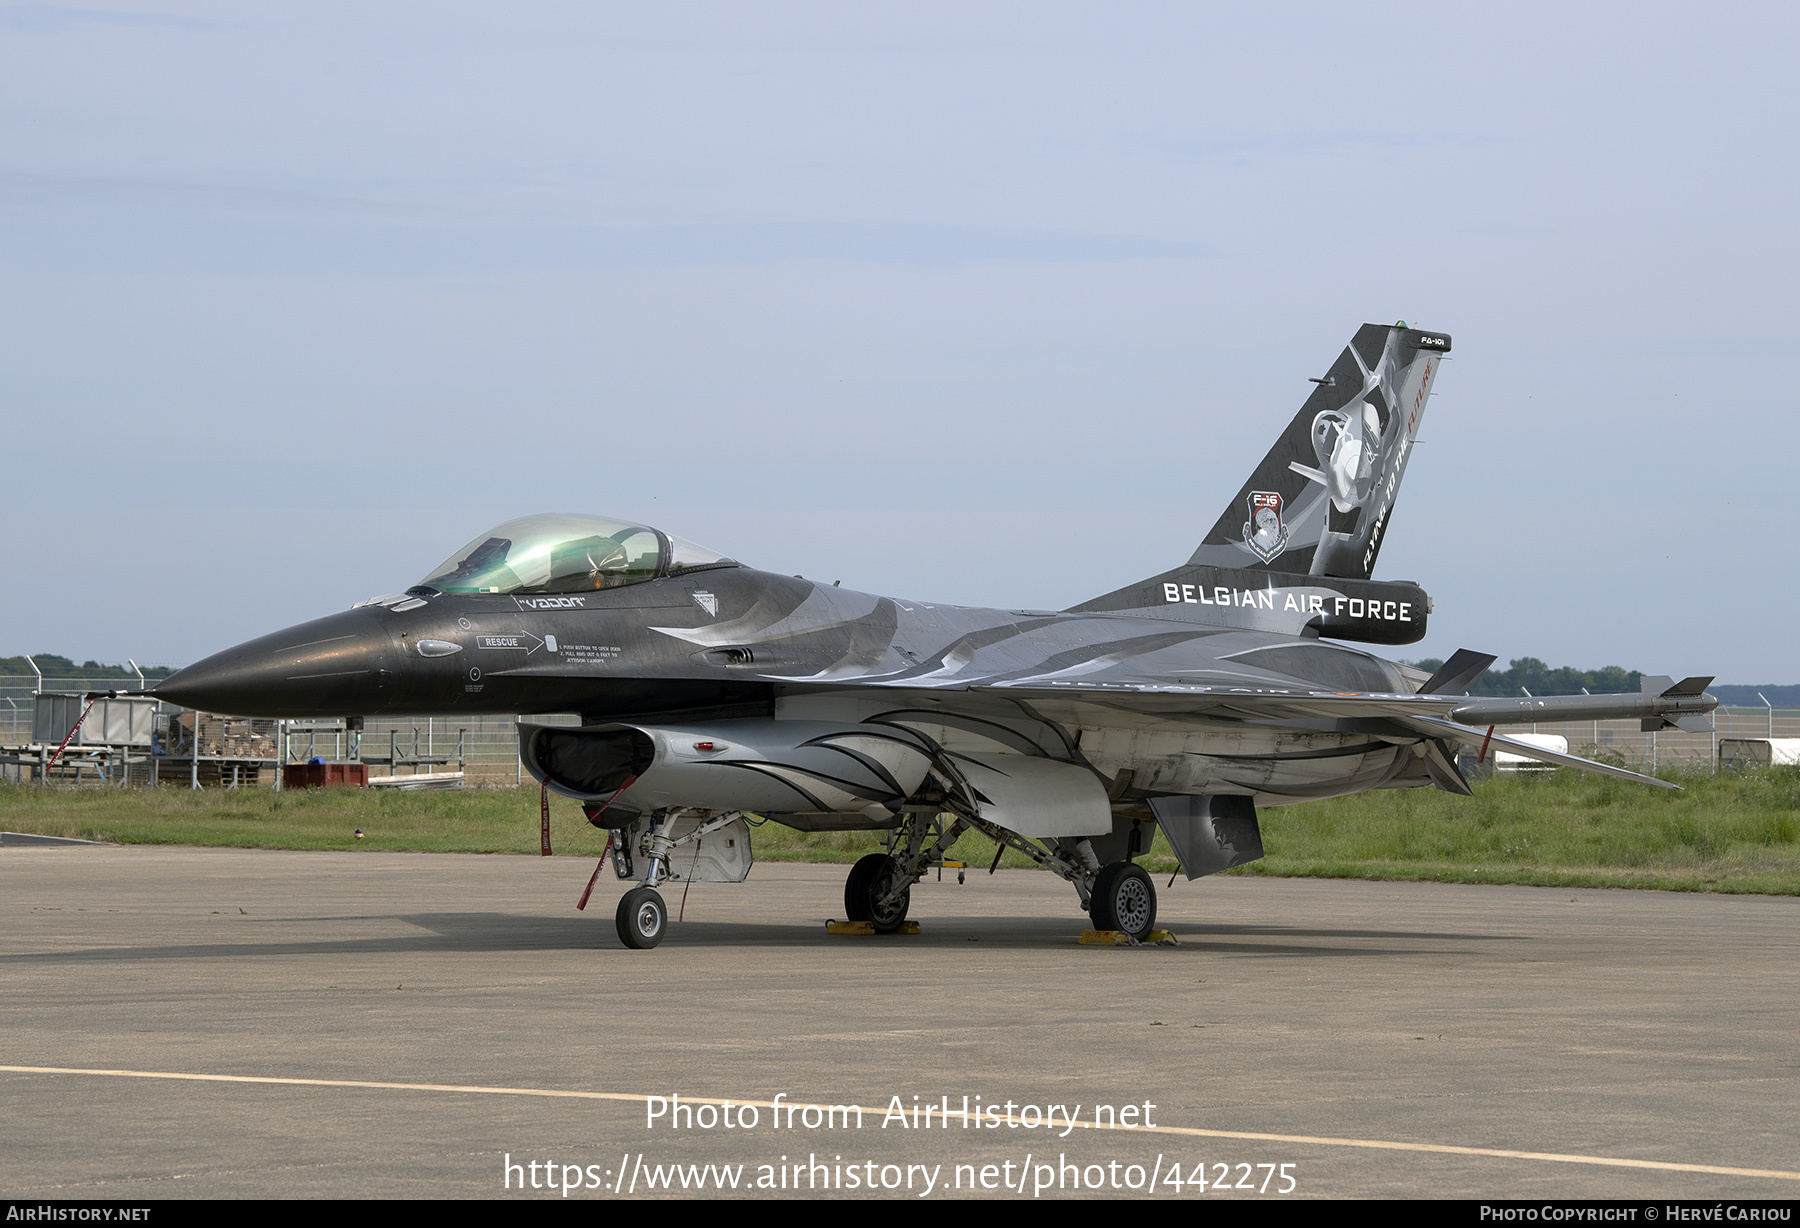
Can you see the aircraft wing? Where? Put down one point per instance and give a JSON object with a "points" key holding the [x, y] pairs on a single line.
{"points": [[1433, 716], [1680, 705], [1175, 701]]}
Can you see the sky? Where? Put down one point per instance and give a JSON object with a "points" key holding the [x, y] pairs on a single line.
{"points": [[991, 304]]}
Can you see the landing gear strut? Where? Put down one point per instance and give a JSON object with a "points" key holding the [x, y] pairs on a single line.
{"points": [[879, 888], [643, 918]]}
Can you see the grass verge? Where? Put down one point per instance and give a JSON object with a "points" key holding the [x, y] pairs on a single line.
{"points": [[1567, 829]]}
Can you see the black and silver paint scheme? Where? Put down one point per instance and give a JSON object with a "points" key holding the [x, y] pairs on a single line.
{"points": [[708, 690]]}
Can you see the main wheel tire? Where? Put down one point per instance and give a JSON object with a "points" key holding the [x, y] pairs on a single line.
{"points": [[867, 877], [642, 918], [1124, 899], [856, 887]]}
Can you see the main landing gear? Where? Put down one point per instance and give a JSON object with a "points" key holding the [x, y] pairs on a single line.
{"points": [[876, 892], [879, 888], [1118, 896], [1124, 899]]}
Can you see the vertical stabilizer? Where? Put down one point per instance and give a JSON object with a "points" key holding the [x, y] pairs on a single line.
{"points": [[1320, 501]]}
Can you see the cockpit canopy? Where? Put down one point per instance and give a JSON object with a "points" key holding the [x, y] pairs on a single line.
{"points": [[566, 553]]}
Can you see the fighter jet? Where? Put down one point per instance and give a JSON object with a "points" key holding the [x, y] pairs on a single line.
{"points": [[713, 696]]}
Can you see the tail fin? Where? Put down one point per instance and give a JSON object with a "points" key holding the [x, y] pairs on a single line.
{"points": [[1319, 502]]}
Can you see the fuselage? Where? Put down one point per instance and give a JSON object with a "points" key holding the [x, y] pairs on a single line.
{"points": [[737, 643], [711, 640]]}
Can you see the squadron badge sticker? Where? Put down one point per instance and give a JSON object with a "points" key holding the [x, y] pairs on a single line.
{"points": [[1264, 533]]}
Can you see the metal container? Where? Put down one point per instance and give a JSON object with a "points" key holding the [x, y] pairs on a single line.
{"points": [[123, 721], [324, 775]]}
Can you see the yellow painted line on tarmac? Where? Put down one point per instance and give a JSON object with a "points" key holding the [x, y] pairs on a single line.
{"points": [[1494, 1153]]}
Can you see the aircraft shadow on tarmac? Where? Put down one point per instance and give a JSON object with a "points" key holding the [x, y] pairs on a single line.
{"points": [[452, 932]]}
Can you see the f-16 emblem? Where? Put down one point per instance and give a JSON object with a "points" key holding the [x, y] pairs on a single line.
{"points": [[1264, 533]]}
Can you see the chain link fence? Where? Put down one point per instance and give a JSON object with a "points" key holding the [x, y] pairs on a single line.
{"points": [[182, 747], [1625, 744]]}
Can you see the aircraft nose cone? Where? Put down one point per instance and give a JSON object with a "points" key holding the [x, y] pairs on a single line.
{"points": [[342, 665]]}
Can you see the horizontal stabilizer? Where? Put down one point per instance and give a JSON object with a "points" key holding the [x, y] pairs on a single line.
{"points": [[1458, 674]]}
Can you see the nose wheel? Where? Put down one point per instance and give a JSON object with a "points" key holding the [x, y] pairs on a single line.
{"points": [[642, 918], [1124, 899]]}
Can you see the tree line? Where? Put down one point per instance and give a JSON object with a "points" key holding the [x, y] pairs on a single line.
{"points": [[1538, 678], [53, 666]]}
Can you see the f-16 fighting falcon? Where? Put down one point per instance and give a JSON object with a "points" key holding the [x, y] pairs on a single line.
{"points": [[712, 695]]}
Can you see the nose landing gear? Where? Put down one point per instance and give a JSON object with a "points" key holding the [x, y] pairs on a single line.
{"points": [[642, 918]]}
